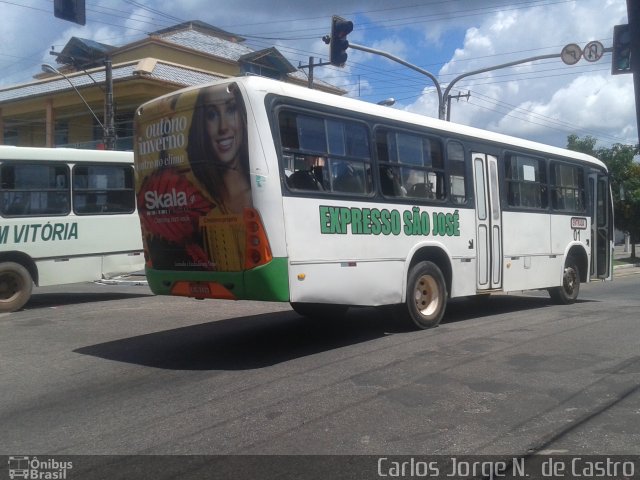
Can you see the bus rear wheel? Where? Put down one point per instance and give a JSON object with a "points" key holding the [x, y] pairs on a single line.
{"points": [[15, 286], [319, 311], [568, 292], [426, 296]]}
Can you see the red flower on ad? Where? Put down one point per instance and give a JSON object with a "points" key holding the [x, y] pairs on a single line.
{"points": [[170, 206]]}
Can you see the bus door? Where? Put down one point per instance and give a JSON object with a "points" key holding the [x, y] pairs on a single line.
{"points": [[488, 222], [601, 226]]}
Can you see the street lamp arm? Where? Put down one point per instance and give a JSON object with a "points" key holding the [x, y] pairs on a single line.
{"points": [[411, 66], [48, 68], [495, 67]]}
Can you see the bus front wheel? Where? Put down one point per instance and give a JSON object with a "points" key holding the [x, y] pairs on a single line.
{"points": [[15, 286], [426, 295], [568, 292]]}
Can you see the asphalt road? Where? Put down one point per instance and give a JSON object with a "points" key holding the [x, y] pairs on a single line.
{"points": [[95, 369]]}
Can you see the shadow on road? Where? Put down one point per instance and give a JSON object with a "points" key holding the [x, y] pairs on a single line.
{"points": [[481, 306], [262, 340], [48, 300]]}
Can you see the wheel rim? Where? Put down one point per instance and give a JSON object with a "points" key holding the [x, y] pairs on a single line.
{"points": [[10, 286], [427, 296], [570, 280]]}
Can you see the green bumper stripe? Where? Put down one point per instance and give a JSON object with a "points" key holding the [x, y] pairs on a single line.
{"points": [[268, 282]]}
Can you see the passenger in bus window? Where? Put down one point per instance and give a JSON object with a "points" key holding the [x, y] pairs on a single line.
{"points": [[309, 176], [217, 148]]}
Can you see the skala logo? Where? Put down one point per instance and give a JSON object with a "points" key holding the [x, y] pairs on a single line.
{"points": [[155, 200]]}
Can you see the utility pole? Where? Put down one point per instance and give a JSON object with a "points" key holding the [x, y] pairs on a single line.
{"points": [[457, 97], [310, 67], [109, 121], [108, 124], [633, 14]]}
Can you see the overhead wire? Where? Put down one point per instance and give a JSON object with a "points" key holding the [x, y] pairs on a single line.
{"points": [[394, 77]]}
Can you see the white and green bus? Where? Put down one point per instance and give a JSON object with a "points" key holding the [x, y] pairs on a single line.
{"points": [[66, 216], [251, 188]]}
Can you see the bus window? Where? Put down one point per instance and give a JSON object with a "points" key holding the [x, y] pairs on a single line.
{"points": [[455, 161], [312, 134], [103, 189], [526, 182], [325, 154], [34, 189], [567, 188], [410, 165]]}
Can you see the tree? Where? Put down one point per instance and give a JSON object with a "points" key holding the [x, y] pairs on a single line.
{"points": [[585, 145], [627, 208], [624, 176]]}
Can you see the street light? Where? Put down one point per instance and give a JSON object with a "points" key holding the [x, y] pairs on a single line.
{"points": [[51, 69], [387, 102]]}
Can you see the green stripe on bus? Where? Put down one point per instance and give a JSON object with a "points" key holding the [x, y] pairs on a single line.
{"points": [[268, 282]]}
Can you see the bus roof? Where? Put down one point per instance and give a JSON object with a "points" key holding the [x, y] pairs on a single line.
{"points": [[264, 86], [9, 152]]}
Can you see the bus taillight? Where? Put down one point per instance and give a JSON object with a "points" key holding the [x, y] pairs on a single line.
{"points": [[257, 249]]}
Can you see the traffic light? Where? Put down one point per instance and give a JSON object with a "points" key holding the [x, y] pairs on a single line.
{"points": [[621, 53], [71, 10], [338, 45]]}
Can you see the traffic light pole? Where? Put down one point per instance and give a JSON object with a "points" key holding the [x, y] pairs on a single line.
{"points": [[570, 55], [489, 69], [443, 112], [633, 14], [441, 107]]}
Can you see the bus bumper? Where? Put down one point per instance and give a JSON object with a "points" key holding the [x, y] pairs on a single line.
{"points": [[268, 282]]}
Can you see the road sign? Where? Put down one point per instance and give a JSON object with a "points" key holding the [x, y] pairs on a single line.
{"points": [[593, 51], [571, 54]]}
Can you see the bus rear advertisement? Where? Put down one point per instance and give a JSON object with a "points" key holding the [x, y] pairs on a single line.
{"points": [[195, 202]]}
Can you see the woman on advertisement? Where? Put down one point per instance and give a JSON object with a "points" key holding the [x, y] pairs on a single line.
{"points": [[199, 219]]}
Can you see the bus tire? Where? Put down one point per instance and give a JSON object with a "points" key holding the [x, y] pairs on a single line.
{"points": [[426, 295], [319, 311], [15, 286], [568, 292]]}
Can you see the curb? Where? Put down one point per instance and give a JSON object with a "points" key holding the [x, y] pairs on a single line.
{"points": [[625, 266], [131, 279]]}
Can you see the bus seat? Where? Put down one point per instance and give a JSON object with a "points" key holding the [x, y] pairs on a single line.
{"points": [[318, 173], [389, 183], [421, 190], [19, 206], [348, 182], [303, 180]]}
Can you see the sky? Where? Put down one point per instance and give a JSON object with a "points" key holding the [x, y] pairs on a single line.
{"points": [[544, 100]]}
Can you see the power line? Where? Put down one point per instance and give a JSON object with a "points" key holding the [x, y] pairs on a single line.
{"points": [[394, 77]]}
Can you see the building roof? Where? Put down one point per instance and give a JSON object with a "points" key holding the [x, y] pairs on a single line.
{"points": [[269, 57], [202, 26], [165, 72], [206, 43], [194, 35]]}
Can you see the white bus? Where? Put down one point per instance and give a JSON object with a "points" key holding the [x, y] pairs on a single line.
{"points": [[67, 216], [251, 188]]}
